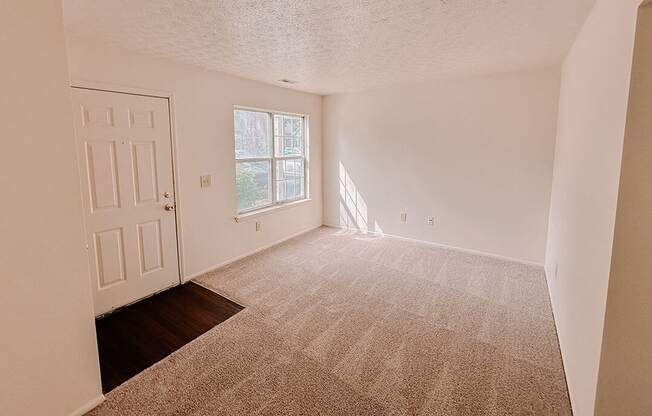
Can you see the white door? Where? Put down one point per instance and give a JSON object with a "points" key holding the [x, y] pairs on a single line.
{"points": [[125, 153]]}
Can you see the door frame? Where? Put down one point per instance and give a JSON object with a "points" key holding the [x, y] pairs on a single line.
{"points": [[121, 89]]}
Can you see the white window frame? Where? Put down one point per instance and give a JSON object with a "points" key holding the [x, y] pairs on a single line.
{"points": [[274, 158]]}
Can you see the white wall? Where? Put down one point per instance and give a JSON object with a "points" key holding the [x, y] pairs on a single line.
{"points": [[625, 376], [204, 103], [475, 153], [48, 355], [592, 112]]}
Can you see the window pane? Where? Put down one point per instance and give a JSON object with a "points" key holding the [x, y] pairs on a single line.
{"points": [[290, 181], [253, 184], [252, 134], [288, 135]]}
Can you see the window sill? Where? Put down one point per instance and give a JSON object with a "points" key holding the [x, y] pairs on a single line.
{"points": [[269, 210]]}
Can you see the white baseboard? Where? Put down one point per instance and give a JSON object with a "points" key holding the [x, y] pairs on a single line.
{"points": [[250, 253], [547, 273], [265, 247], [88, 406], [463, 250]]}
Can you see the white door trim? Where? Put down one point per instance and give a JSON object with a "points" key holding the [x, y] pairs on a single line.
{"points": [[101, 86]]}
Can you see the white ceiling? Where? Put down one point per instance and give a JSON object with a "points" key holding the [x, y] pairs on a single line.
{"points": [[331, 46]]}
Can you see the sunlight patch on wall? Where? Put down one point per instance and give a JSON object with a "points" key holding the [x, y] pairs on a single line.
{"points": [[353, 208]]}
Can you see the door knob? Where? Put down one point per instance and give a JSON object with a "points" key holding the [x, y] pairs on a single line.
{"points": [[169, 207]]}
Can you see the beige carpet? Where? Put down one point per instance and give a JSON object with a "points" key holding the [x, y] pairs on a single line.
{"points": [[338, 323]]}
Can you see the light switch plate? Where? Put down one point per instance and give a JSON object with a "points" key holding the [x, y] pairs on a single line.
{"points": [[205, 181]]}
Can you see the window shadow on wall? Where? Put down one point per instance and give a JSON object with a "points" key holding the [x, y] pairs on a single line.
{"points": [[353, 208]]}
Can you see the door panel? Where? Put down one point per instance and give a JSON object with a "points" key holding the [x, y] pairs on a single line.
{"points": [[100, 116], [150, 247], [145, 177], [110, 257], [125, 150], [101, 164]]}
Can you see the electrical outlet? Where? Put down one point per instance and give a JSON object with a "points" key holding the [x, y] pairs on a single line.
{"points": [[430, 220], [403, 216], [257, 225], [205, 181]]}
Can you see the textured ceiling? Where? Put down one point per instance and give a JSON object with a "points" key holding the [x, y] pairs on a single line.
{"points": [[330, 46]]}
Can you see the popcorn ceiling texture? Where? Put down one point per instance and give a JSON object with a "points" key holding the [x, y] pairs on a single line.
{"points": [[331, 46], [346, 324]]}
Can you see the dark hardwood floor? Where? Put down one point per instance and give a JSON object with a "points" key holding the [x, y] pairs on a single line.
{"points": [[137, 336]]}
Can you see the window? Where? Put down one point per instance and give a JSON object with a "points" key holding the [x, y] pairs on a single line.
{"points": [[270, 158]]}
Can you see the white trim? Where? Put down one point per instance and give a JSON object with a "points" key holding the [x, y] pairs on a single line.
{"points": [[250, 253], [125, 89], [176, 174], [88, 406], [273, 159], [267, 110], [306, 156], [269, 209], [547, 273], [446, 246]]}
